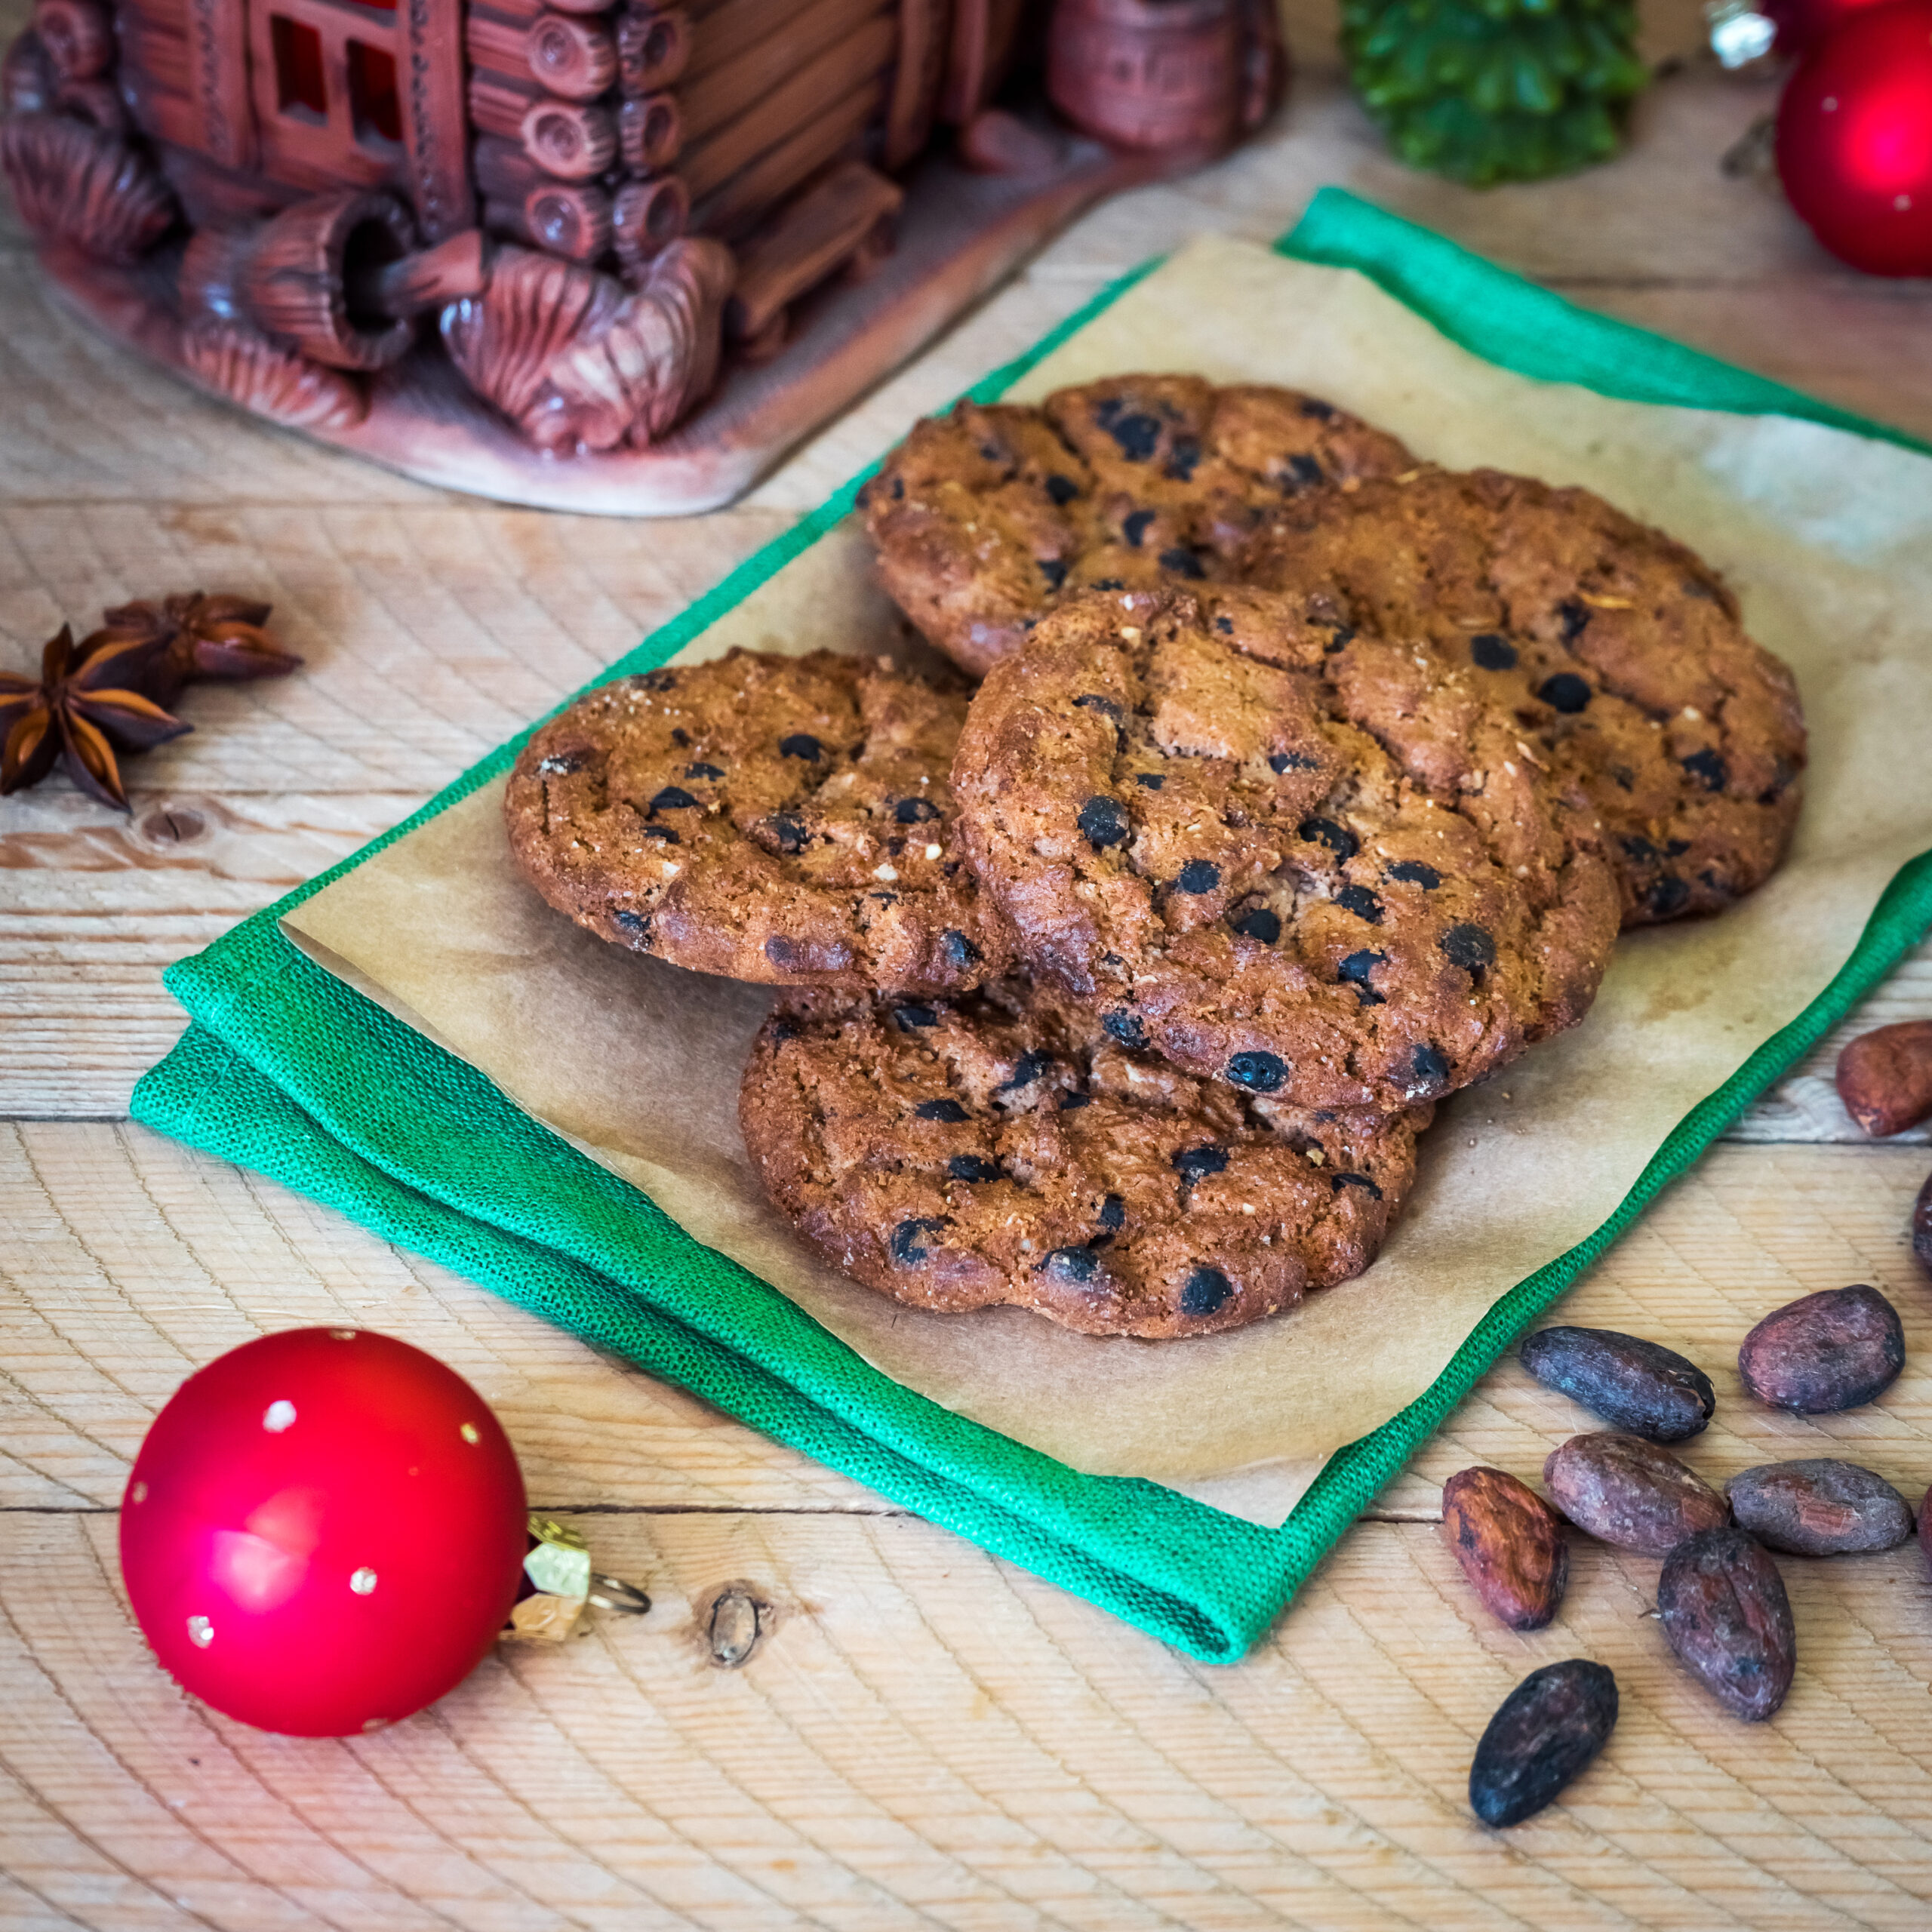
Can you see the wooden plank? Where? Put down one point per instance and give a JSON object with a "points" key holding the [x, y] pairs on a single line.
{"points": [[132, 1261], [923, 1734]]}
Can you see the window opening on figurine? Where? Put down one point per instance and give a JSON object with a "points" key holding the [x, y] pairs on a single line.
{"points": [[299, 88], [513, 245]]}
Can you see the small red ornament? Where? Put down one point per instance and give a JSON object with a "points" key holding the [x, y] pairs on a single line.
{"points": [[1854, 140], [324, 1532]]}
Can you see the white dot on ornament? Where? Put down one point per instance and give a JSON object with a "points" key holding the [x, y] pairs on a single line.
{"points": [[468, 1433], [1901, 202], [342, 1334], [201, 1632], [363, 1582], [374, 1724], [278, 1416], [1829, 103], [139, 1493]]}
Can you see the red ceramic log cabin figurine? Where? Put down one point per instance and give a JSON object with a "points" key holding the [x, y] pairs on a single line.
{"points": [[559, 218]]}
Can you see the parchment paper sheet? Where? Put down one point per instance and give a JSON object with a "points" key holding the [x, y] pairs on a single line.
{"points": [[1828, 538]]}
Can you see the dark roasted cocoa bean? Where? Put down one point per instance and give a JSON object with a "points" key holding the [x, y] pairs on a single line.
{"points": [[1828, 1351], [1542, 1734], [1510, 1544], [1885, 1077], [1634, 1385], [1819, 1507], [1922, 1224], [1625, 1490], [1724, 1608]]}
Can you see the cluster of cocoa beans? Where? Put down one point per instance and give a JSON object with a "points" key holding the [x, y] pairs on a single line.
{"points": [[1720, 1600]]}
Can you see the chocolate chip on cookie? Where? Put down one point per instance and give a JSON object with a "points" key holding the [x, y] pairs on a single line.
{"points": [[1616, 649], [982, 518], [1007, 1149], [1289, 911], [786, 820]]}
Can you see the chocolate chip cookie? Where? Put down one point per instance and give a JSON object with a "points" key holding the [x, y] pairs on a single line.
{"points": [[981, 518], [786, 820], [1617, 651], [1177, 815], [1003, 1147]]}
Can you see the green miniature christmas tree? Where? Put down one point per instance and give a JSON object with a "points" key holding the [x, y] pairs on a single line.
{"points": [[1492, 91]]}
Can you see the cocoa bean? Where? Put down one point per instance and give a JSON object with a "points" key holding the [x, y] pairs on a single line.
{"points": [[1542, 1734], [1510, 1544], [1885, 1077], [1625, 1490], [1634, 1385], [1819, 1507], [1922, 1224], [1828, 1351], [1723, 1609]]}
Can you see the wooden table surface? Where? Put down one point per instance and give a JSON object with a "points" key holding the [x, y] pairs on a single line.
{"points": [[922, 1736]]}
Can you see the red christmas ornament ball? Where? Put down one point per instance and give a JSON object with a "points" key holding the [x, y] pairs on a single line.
{"points": [[324, 1532], [1854, 140]]}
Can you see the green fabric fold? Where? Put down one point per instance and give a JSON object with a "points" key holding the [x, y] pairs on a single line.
{"points": [[287, 1071]]}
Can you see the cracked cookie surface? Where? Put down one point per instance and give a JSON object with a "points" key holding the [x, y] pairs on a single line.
{"points": [[1001, 1147], [1617, 651], [1181, 823], [782, 819], [982, 518]]}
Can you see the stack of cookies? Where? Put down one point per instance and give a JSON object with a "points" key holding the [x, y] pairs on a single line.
{"points": [[1306, 784]]}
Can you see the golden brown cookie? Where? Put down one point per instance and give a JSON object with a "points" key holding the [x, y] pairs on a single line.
{"points": [[784, 820], [1002, 1148], [1182, 822], [1617, 650], [981, 518]]}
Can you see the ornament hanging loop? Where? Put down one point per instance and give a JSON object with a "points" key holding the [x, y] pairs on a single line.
{"points": [[558, 1583], [614, 1593]]}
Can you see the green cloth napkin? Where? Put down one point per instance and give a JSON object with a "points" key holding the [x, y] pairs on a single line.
{"points": [[286, 1070]]}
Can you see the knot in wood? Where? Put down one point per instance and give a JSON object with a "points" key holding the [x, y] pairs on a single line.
{"points": [[172, 825], [737, 1621]]}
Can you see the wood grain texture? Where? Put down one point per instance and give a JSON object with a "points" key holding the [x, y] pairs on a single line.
{"points": [[925, 1736], [922, 1736]]}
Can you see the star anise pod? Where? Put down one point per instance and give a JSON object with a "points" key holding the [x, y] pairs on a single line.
{"points": [[204, 637], [78, 710]]}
